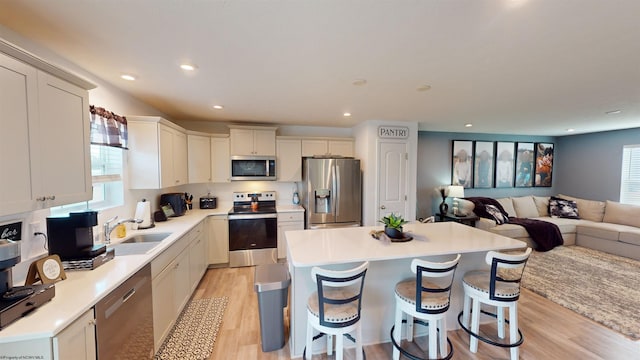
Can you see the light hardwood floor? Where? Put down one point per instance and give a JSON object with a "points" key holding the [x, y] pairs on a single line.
{"points": [[550, 330]]}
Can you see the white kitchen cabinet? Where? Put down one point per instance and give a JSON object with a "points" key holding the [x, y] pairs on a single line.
{"points": [[164, 300], [220, 159], [197, 256], [327, 147], [288, 221], [78, 340], [174, 273], [45, 147], [199, 154], [158, 153], [18, 117], [218, 231], [45, 127], [289, 160], [64, 174], [253, 141]]}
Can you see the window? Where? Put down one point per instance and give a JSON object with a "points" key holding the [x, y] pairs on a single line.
{"points": [[106, 176], [630, 182]]}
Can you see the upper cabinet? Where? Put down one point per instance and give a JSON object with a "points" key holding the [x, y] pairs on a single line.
{"points": [[250, 140], [220, 159], [199, 153], [45, 150], [157, 153], [327, 147], [289, 160]]}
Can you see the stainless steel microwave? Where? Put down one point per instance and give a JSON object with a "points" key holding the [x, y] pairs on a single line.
{"points": [[253, 168]]}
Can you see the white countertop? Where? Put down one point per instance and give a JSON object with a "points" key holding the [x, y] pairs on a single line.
{"points": [[83, 289], [344, 245]]}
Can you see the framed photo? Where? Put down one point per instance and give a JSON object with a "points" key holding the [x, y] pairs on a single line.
{"points": [[483, 162], [461, 159], [524, 164], [544, 164], [505, 164]]}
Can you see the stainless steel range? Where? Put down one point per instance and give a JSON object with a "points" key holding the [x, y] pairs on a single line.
{"points": [[253, 229]]}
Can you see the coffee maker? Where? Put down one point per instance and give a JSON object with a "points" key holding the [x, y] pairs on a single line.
{"points": [[17, 301], [71, 237]]}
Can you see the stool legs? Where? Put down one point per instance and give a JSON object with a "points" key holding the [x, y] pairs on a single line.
{"points": [[397, 332], [330, 344], [513, 329], [309, 342], [475, 325], [500, 317], [443, 337], [359, 342]]}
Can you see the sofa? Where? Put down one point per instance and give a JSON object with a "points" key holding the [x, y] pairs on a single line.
{"points": [[606, 226]]}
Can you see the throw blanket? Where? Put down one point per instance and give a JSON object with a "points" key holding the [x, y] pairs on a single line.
{"points": [[546, 235]]}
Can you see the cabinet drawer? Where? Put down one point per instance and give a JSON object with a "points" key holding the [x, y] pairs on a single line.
{"points": [[291, 216]]}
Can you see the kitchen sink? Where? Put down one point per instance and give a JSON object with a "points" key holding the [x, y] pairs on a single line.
{"points": [[139, 244], [146, 238]]}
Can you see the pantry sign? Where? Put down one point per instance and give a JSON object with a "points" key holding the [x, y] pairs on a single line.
{"points": [[393, 132]]}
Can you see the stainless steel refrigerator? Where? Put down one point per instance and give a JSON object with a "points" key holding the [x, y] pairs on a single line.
{"points": [[331, 192]]}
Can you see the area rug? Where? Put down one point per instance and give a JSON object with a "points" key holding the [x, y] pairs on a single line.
{"points": [[195, 331], [597, 285]]}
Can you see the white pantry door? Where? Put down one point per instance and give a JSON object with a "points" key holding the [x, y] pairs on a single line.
{"points": [[392, 178]]}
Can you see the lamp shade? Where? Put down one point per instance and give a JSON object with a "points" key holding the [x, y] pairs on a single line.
{"points": [[456, 191]]}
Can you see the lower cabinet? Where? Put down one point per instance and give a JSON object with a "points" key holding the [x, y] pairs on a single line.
{"points": [[174, 273], [218, 231], [78, 340], [288, 221]]}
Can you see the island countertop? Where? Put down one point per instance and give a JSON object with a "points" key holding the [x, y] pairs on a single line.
{"points": [[344, 245], [389, 262]]}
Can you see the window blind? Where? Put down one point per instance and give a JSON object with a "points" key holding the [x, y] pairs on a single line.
{"points": [[630, 181]]}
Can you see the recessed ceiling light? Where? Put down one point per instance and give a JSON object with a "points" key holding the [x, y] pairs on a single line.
{"points": [[571, 130], [128, 77], [218, 107], [613, 112], [359, 82], [468, 125], [424, 87], [188, 67], [347, 114]]}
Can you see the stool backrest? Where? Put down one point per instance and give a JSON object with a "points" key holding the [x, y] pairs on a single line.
{"points": [[353, 282], [445, 271], [506, 273]]}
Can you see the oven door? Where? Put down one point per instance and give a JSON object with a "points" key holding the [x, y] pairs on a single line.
{"points": [[253, 239]]}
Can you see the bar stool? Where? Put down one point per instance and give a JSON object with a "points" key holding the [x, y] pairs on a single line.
{"points": [[499, 287], [426, 298], [334, 309]]}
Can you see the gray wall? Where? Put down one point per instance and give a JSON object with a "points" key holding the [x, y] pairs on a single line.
{"points": [[591, 163], [434, 168]]}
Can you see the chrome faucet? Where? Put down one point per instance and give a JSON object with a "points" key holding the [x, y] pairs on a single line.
{"points": [[108, 228]]}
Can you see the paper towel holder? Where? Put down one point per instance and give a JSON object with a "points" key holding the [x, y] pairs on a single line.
{"points": [[143, 211]]}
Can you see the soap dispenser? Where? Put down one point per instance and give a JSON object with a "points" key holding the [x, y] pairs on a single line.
{"points": [[296, 198]]}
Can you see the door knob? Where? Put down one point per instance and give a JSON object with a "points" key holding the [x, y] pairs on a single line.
{"points": [[383, 207]]}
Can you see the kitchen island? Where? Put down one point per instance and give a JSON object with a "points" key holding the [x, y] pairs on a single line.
{"points": [[343, 248]]}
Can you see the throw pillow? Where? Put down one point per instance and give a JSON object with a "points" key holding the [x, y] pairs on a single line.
{"points": [[498, 216], [525, 207], [563, 208]]}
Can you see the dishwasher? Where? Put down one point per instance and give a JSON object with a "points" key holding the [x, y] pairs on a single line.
{"points": [[124, 320]]}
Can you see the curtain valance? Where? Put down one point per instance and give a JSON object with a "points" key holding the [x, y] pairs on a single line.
{"points": [[108, 128]]}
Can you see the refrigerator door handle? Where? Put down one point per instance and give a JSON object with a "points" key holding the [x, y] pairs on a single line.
{"points": [[336, 184]]}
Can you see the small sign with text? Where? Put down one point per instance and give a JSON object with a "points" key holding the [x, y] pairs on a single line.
{"points": [[393, 132]]}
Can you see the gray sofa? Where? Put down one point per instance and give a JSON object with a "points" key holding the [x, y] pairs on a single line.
{"points": [[608, 226]]}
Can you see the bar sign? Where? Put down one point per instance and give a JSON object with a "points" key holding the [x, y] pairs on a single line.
{"points": [[11, 231]]}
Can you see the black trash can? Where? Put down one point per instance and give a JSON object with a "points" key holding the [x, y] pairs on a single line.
{"points": [[271, 282]]}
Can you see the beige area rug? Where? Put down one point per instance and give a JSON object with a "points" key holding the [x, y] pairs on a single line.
{"points": [[195, 331], [600, 286]]}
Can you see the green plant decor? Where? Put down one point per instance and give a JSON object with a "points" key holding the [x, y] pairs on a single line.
{"points": [[393, 226]]}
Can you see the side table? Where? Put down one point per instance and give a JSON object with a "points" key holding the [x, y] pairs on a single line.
{"points": [[469, 220]]}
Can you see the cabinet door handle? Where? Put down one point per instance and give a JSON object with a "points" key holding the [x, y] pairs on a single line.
{"points": [[41, 198], [52, 197], [383, 207]]}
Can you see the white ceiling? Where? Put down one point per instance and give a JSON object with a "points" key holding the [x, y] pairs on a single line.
{"points": [[531, 67]]}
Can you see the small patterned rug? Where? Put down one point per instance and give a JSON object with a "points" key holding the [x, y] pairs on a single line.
{"points": [[195, 331], [597, 285]]}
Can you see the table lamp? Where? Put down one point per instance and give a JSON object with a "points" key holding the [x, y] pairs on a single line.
{"points": [[455, 191]]}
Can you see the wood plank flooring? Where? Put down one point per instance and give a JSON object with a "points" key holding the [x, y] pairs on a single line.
{"points": [[550, 330]]}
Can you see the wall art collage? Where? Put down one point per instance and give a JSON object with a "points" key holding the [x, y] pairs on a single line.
{"points": [[501, 164]]}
